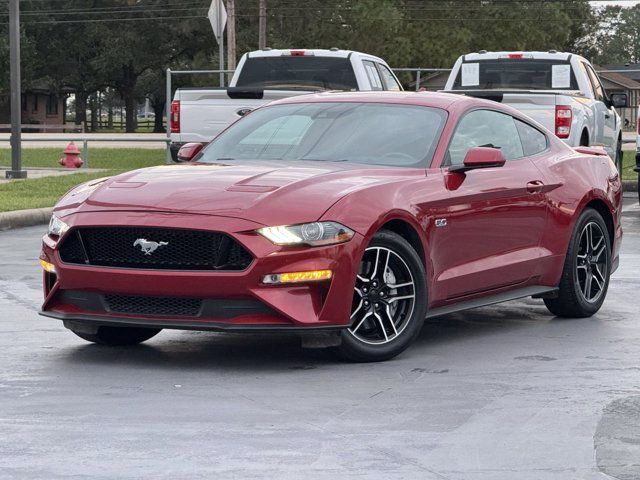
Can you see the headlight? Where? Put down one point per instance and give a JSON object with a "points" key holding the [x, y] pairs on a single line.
{"points": [[313, 234], [57, 227]]}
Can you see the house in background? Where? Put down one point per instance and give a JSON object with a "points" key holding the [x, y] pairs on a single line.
{"points": [[40, 106], [622, 81]]}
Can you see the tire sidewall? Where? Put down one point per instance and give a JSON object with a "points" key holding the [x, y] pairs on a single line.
{"points": [[589, 216], [357, 350]]}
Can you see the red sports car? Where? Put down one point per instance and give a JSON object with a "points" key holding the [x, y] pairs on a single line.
{"points": [[347, 217]]}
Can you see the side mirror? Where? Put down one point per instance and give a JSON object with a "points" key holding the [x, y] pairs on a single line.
{"points": [[619, 100], [188, 151], [480, 157]]}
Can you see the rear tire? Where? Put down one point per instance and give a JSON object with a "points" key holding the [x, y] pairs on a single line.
{"points": [[587, 267], [390, 301], [119, 336]]}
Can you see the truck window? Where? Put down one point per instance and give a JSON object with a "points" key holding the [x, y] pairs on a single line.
{"points": [[595, 81], [516, 74], [485, 128], [372, 75], [327, 73], [389, 79]]}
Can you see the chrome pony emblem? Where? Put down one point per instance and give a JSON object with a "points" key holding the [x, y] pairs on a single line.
{"points": [[148, 247]]}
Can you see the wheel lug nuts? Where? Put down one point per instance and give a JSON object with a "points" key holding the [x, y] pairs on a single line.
{"points": [[382, 294], [377, 305]]}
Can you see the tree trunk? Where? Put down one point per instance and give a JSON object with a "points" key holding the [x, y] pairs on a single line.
{"points": [[93, 106], [158, 111], [81, 107], [130, 109]]}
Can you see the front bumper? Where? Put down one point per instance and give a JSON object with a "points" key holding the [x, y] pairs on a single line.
{"points": [[232, 300]]}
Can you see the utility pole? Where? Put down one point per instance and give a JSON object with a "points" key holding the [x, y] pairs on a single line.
{"points": [[16, 103], [231, 35], [262, 25]]}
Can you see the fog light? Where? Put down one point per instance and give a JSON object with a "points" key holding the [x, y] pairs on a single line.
{"points": [[297, 277], [48, 267]]}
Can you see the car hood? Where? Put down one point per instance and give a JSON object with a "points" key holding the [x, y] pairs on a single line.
{"points": [[264, 192]]}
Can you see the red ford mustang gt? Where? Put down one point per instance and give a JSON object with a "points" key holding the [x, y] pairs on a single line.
{"points": [[349, 217]]}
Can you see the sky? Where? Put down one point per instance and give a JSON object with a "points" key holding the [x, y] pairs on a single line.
{"points": [[616, 2]]}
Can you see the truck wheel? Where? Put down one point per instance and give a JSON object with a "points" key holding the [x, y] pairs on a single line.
{"points": [[118, 336], [619, 156], [585, 278], [584, 139]]}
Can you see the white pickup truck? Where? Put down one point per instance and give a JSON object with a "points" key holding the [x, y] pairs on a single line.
{"points": [[199, 114], [559, 90]]}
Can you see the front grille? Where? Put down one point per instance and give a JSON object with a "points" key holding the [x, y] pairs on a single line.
{"points": [[154, 248], [164, 306]]}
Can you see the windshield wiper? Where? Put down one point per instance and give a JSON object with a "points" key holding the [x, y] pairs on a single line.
{"points": [[324, 160]]}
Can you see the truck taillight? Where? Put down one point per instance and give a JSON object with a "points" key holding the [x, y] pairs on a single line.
{"points": [[175, 116], [564, 116]]}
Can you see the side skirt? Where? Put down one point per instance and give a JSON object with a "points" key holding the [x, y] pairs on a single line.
{"points": [[533, 291]]}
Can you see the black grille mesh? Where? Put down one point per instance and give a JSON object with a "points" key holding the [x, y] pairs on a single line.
{"points": [[164, 306], [180, 249]]}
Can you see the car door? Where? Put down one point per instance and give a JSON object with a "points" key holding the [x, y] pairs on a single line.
{"points": [[605, 114], [490, 235]]}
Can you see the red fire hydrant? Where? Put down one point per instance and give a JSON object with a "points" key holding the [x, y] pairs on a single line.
{"points": [[71, 157]]}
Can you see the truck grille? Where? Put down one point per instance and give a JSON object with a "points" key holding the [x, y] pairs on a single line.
{"points": [[164, 306], [153, 248]]}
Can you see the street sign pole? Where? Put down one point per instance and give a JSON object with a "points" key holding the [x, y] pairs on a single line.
{"points": [[16, 103], [217, 16], [221, 41]]}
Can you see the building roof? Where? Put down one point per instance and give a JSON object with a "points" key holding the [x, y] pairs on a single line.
{"points": [[621, 79], [634, 75]]}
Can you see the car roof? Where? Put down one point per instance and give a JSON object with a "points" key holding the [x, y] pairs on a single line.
{"points": [[426, 99]]}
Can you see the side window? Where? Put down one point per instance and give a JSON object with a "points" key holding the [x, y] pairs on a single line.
{"points": [[389, 80], [372, 75], [583, 67], [533, 140], [485, 128], [600, 95]]}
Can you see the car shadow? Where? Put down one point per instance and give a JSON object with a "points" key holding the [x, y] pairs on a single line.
{"points": [[178, 350]]}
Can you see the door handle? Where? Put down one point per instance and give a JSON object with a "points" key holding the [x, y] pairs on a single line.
{"points": [[607, 116], [535, 186]]}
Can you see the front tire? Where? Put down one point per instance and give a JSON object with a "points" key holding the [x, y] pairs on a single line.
{"points": [[118, 336], [389, 301], [587, 267]]}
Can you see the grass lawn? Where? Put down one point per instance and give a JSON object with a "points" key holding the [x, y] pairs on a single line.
{"points": [[628, 163], [45, 192], [117, 158], [42, 192]]}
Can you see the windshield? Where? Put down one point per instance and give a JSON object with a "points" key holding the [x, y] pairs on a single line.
{"points": [[369, 133], [328, 73], [516, 74]]}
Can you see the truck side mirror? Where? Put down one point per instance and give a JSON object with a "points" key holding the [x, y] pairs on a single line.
{"points": [[619, 100]]}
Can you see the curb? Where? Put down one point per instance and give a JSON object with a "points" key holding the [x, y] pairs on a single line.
{"points": [[25, 218]]}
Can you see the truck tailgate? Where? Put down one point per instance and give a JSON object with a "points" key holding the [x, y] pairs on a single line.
{"points": [[537, 104], [204, 113]]}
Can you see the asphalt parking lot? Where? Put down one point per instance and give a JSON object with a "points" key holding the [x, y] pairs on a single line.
{"points": [[504, 392]]}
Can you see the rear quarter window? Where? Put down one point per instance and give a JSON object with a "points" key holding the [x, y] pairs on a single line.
{"points": [[533, 140]]}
